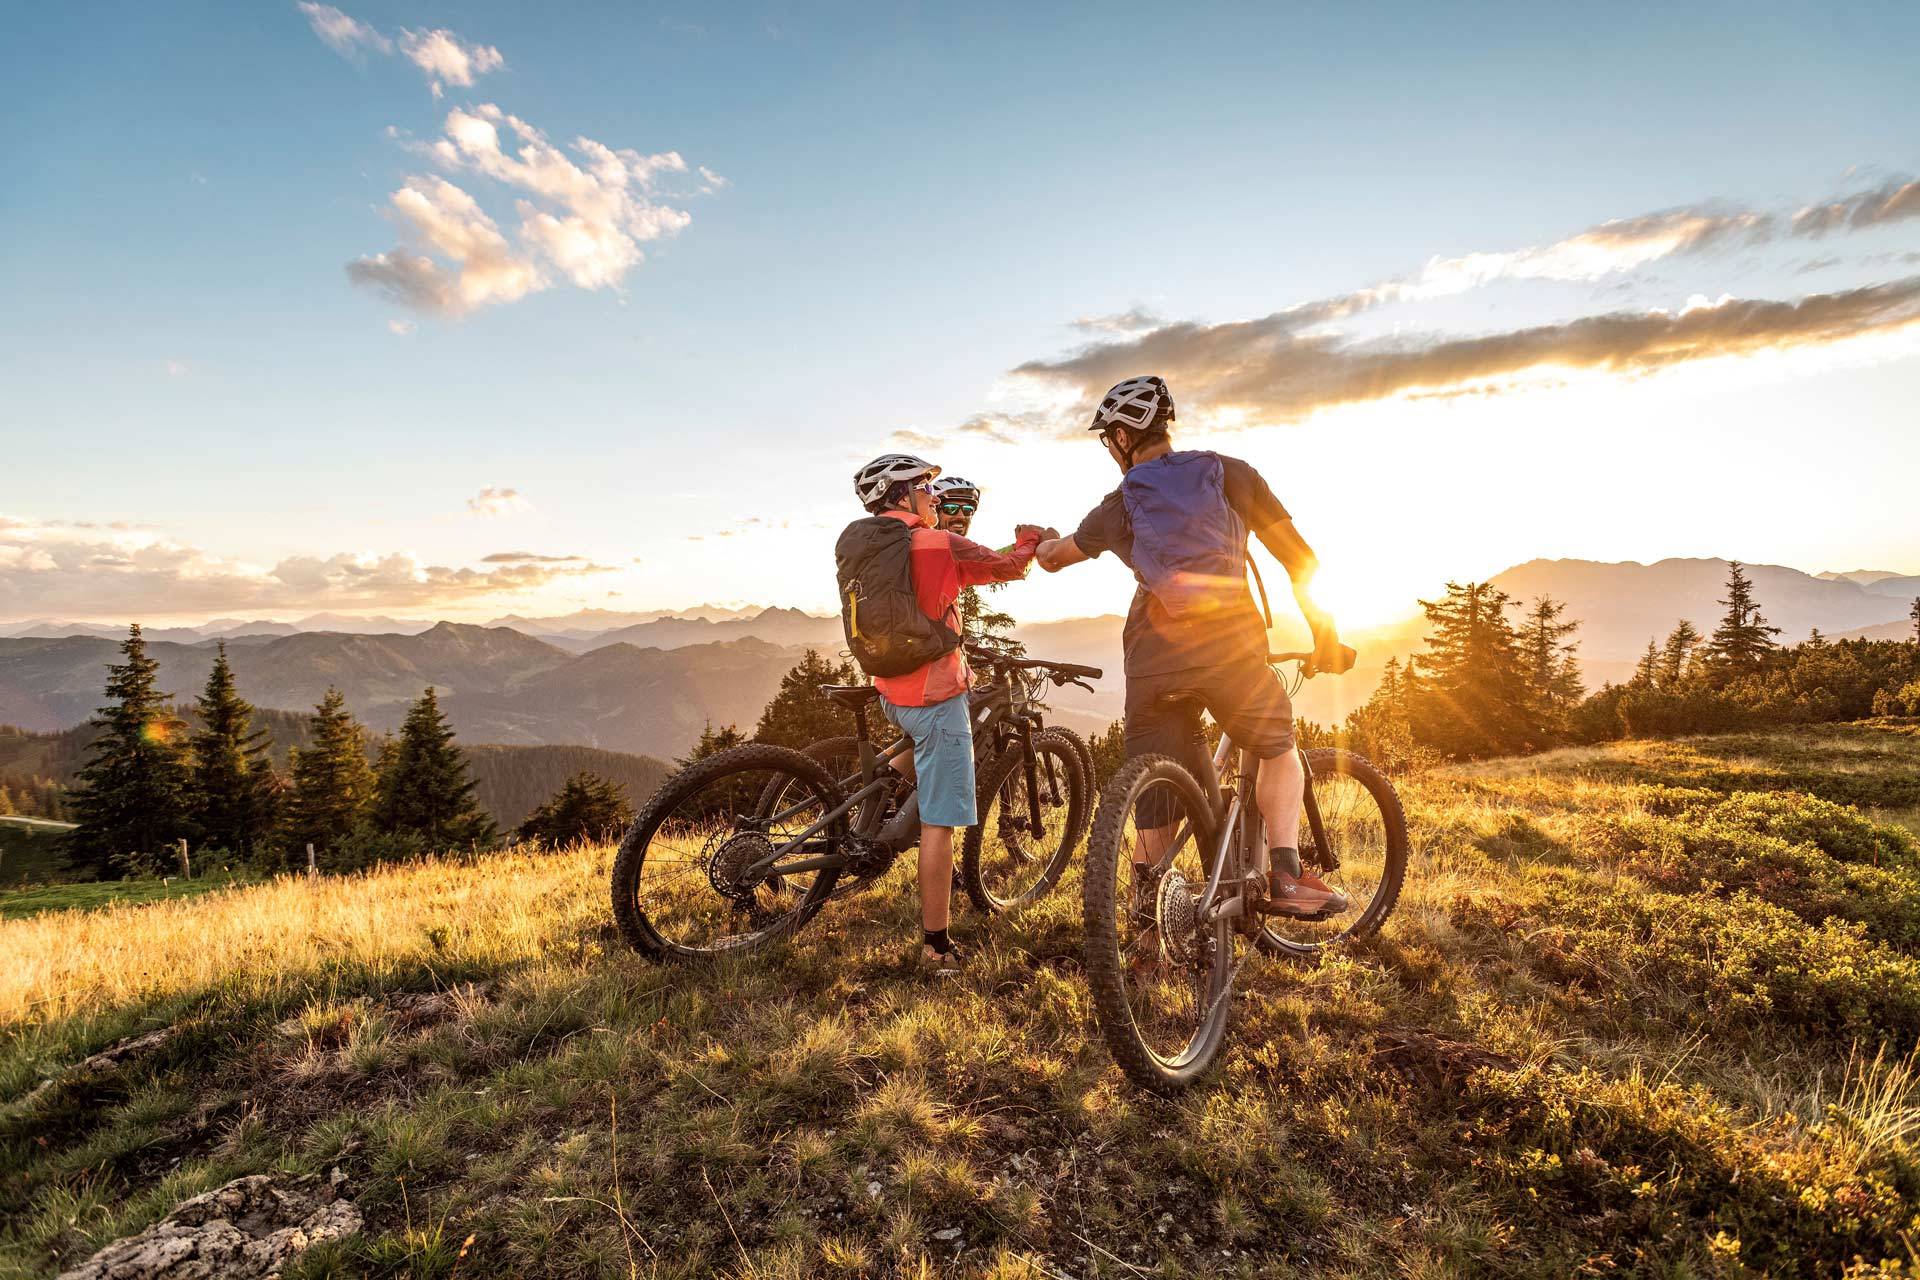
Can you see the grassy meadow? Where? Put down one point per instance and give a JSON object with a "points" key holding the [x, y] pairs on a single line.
{"points": [[1645, 1009]]}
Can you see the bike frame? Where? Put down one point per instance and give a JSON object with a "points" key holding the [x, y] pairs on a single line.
{"points": [[1001, 712], [1236, 822]]}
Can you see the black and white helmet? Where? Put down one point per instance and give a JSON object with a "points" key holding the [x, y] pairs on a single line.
{"points": [[871, 482], [954, 489], [1139, 404]]}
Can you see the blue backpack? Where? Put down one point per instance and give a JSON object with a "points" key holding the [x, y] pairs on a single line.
{"points": [[1189, 545]]}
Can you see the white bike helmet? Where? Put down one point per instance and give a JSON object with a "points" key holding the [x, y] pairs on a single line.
{"points": [[954, 489], [871, 482], [1139, 404]]}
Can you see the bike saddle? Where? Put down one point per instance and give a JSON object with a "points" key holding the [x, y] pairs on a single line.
{"points": [[1180, 698], [850, 696]]}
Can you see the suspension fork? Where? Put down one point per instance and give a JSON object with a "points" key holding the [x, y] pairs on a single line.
{"points": [[1031, 765]]}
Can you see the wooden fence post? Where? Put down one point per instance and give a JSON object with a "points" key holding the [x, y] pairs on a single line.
{"points": [[312, 870], [186, 866]]}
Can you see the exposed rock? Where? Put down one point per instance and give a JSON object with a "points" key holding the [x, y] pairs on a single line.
{"points": [[246, 1230]]}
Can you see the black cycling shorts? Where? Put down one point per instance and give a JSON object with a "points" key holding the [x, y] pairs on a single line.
{"points": [[1245, 698]]}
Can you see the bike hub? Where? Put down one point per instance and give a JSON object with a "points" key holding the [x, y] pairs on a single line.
{"points": [[731, 868], [1178, 917]]}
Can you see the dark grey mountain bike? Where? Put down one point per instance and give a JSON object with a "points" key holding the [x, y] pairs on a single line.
{"points": [[1170, 881], [745, 847]]}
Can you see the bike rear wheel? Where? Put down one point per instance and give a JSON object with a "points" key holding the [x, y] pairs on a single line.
{"points": [[1160, 979], [1007, 862], [1365, 855], [685, 883]]}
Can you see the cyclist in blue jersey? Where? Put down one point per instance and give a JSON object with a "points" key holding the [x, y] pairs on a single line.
{"points": [[1180, 520]]}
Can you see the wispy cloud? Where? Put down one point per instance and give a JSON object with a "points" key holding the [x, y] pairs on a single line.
{"points": [[442, 55], [1133, 321], [528, 557], [1892, 202], [492, 501], [1624, 244], [447, 59], [1279, 369], [77, 569], [344, 35]]}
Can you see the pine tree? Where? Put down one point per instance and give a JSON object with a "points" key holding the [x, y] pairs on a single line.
{"points": [[983, 624], [798, 716], [1474, 697], [6, 801], [1914, 613], [1675, 654], [712, 742], [1647, 671], [426, 790], [131, 802], [587, 807], [232, 787], [1743, 639], [332, 787], [1552, 669]]}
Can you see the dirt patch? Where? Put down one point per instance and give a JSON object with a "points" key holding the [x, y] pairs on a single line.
{"points": [[1433, 1059], [252, 1227]]}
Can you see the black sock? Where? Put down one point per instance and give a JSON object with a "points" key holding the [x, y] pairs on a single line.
{"points": [[938, 940], [1284, 857]]}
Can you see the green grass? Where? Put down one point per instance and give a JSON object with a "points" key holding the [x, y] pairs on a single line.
{"points": [[92, 895], [1646, 1009]]}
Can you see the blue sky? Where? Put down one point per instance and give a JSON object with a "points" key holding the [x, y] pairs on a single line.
{"points": [[910, 204]]}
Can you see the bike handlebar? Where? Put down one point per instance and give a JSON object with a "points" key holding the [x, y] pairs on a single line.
{"points": [[1306, 661], [1058, 670]]}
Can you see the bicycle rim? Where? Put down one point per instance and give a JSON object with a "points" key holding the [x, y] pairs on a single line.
{"points": [[1161, 979], [1366, 842], [685, 883], [1008, 860]]}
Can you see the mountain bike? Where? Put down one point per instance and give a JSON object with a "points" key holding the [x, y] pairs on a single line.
{"points": [[745, 847], [1171, 880]]}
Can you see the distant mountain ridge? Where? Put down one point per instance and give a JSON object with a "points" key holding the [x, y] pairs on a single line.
{"points": [[1620, 605], [496, 684]]}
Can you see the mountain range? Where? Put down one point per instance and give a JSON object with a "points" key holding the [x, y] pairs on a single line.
{"points": [[496, 684], [649, 681]]}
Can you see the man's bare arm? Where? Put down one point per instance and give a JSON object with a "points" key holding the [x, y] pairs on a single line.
{"points": [[1056, 554]]}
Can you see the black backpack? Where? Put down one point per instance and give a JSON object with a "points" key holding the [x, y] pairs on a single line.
{"points": [[885, 628]]}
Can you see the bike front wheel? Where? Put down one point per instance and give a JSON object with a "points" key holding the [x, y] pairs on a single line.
{"points": [[1019, 848], [1160, 977], [1363, 857], [703, 871]]}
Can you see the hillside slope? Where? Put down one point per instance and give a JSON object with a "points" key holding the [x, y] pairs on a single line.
{"points": [[1644, 1009]]}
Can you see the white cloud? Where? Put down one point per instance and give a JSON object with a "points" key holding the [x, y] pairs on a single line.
{"points": [[447, 59], [77, 569], [446, 220], [491, 501], [1623, 244], [400, 328], [344, 35], [583, 217], [177, 369]]}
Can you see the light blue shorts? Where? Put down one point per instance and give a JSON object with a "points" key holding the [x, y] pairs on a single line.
{"points": [[942, 737]]}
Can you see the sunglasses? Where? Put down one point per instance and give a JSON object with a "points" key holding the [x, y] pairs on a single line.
{"points": [[957, 508]]}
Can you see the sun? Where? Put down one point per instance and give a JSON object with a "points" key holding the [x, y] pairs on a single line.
{"points": [[1357, 599]]}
